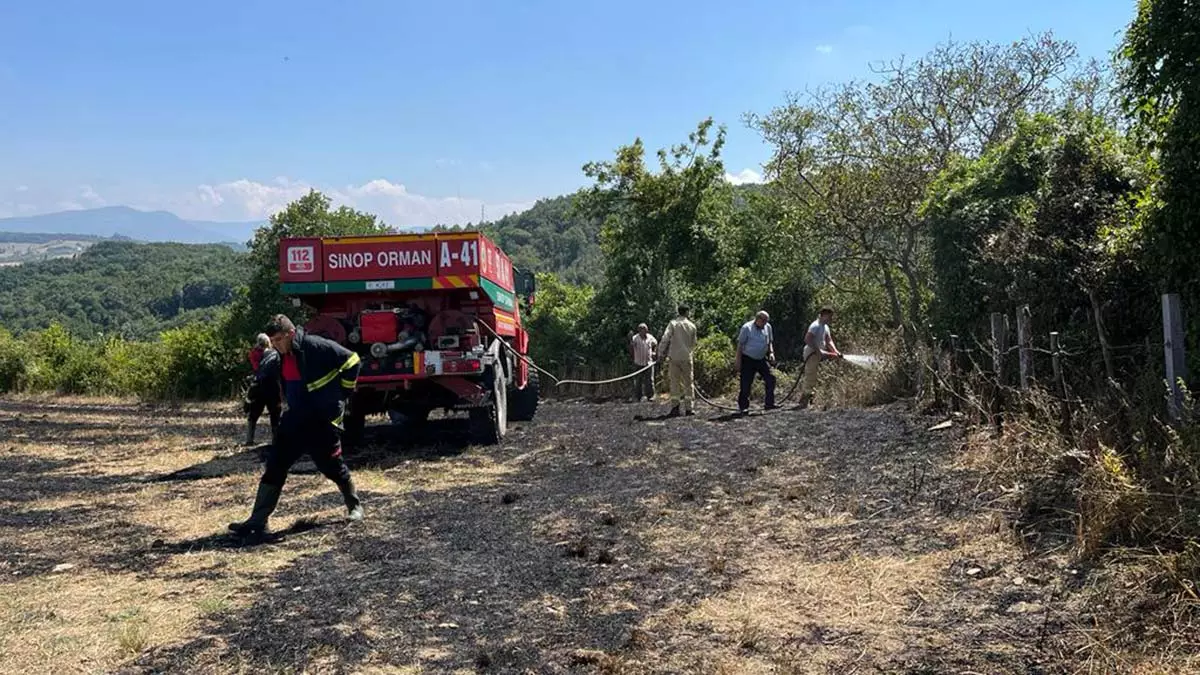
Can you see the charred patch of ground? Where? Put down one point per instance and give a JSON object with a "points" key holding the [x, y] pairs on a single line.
{"points": [[817, 541]]}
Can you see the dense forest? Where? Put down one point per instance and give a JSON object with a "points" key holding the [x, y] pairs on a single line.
{"points": [[559, 236], [553, 236], [122, 288]]}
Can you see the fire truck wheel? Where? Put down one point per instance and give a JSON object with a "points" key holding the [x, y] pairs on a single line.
{"points": [[490, 423], [523, 403]]}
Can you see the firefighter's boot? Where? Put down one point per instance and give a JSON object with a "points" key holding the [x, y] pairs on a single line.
{"points": [[354, 507], [264, 505]]}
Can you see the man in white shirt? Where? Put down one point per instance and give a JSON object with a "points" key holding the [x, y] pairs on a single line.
{"points": [[642, 349], [818, 346], [755, 354]]}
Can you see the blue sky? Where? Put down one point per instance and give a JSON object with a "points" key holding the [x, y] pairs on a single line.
{"points": [[424, 111]]}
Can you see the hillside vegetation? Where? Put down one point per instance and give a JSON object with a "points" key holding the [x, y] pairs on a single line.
{"points": [[555, 237], [122, 288], [562, 237]]}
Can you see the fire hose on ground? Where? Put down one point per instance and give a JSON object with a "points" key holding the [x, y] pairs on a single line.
{"points": [[859, 360]]}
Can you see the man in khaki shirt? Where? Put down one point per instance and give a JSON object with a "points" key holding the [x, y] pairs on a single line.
{"points": [[678, 343]]}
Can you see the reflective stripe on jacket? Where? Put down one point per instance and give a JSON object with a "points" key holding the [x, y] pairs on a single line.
{"points": [[328, 373]]}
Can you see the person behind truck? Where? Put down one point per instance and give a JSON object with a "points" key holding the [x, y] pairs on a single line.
{"points": [[319, 375], [678, 343], [265, 392], [755, 354], [818, 346], [642, 348]]}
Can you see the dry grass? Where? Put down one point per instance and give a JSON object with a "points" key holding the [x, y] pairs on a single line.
{"points": [[839, 541], [1115, 490], [138, 564], [843, 384]]}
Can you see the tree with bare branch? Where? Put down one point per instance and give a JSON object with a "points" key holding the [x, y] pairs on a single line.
{"points": [[855, 160]]}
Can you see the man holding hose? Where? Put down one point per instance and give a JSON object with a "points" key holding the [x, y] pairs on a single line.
{"points": [[818, 346]]}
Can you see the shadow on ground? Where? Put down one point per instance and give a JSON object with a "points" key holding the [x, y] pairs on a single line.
{"points": [[561, 565], [589, 551]]}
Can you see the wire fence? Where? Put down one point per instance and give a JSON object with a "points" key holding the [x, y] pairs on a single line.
{"points": [[991, 377]]}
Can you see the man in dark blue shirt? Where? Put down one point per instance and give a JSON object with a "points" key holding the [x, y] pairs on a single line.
{"points": [[318, 375]]}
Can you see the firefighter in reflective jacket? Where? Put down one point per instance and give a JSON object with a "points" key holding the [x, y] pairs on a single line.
{"points": [[318, 377]]}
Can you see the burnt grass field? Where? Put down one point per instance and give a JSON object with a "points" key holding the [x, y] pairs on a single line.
{"points": [[601, 538]]}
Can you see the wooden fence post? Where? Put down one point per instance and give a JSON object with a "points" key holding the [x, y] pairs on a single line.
{"points": [[1058, 373], [1060, 381], [1025, 340], [999, 343], [1102, 335], [955, 400], [999, 347], [1173, 344]]}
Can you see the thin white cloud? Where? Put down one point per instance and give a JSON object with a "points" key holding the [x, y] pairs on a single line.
{"points": [[824, 49], [22, 188], [744, 176], [248, 200]]}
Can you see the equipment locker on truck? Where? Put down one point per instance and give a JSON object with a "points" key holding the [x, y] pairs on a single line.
{"points": [[434, 317]]}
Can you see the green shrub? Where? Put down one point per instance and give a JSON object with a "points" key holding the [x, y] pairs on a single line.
{"points": [[196, 361], [135, 368], [81, 372], [713, 359], [202, 363], [15, 363]]}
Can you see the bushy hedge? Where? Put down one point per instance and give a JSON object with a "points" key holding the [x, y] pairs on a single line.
{"points": [[194, 362]]}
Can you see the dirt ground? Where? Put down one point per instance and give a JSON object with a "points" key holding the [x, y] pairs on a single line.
{"points": [[600, 538]]}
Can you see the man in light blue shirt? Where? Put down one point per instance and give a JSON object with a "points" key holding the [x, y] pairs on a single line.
{"points": [[755, 354]]}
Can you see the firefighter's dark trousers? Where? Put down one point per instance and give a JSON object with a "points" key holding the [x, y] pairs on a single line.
{"points": [[300, 435], [257, 403]]}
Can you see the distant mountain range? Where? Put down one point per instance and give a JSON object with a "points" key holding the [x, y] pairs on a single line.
{"points": [[122, 221]]}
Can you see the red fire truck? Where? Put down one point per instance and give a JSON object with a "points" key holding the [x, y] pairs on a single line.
{"points": [[436, 319]]}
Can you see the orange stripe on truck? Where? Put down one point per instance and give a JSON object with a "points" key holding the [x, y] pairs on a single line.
{"points": [[456, 281]]}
